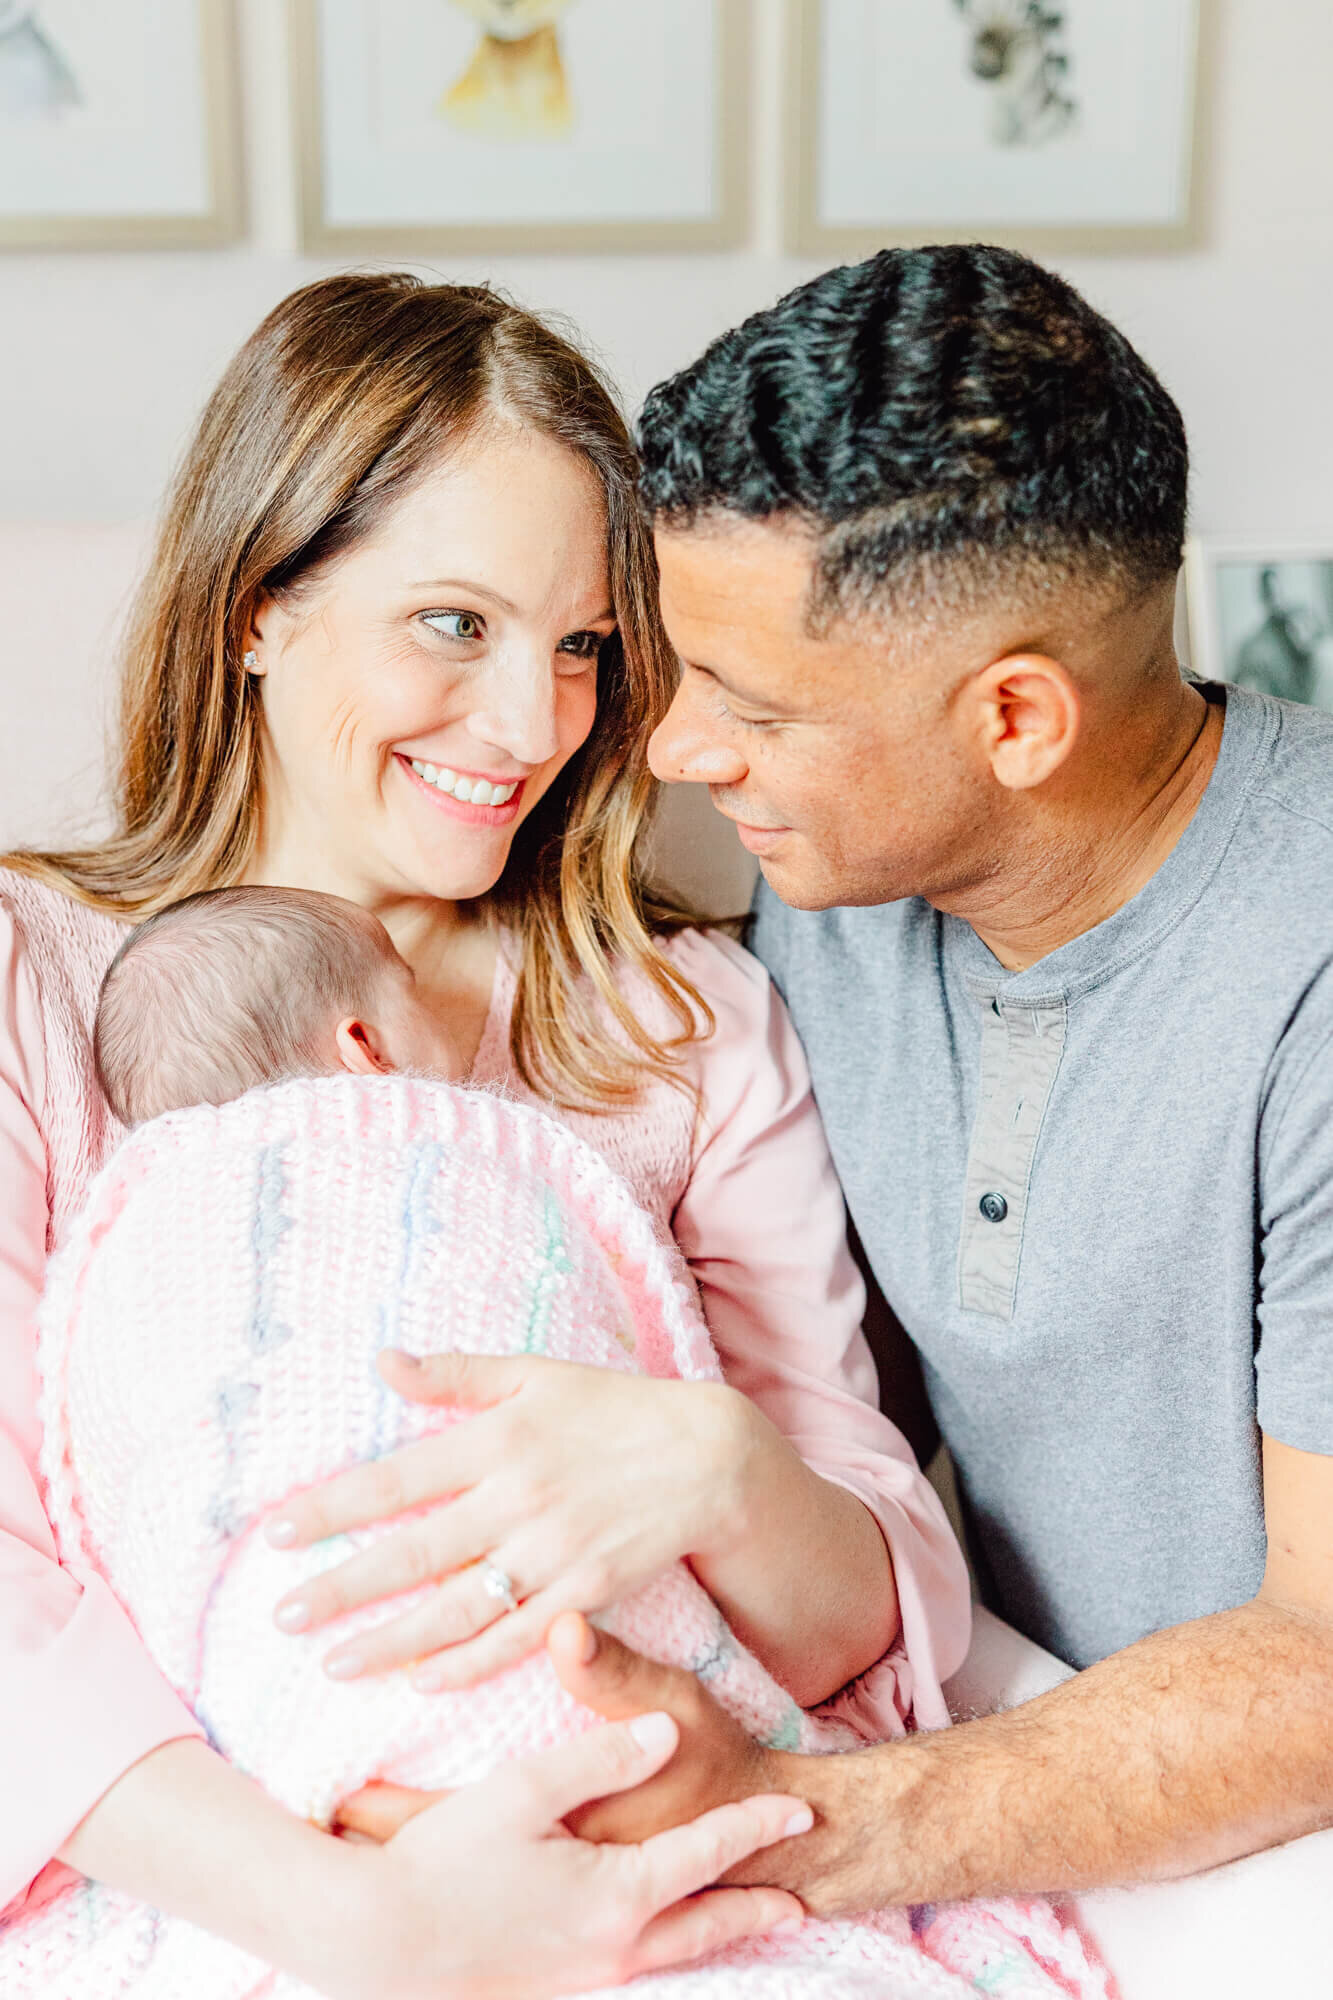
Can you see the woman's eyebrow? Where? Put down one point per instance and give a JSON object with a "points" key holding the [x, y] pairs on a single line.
{"points": [[462, 583]]}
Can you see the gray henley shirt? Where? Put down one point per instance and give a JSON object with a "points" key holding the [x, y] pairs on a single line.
{"points": [[1098, 1192]]}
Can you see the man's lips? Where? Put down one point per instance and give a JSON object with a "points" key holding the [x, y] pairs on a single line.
{"points": [[758, 839]]}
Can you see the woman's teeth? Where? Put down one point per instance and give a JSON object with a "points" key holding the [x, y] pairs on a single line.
{"points": [[469, 791]]}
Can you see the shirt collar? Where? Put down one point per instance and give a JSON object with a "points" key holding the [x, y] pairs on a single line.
{"points": [[1248, 726]]}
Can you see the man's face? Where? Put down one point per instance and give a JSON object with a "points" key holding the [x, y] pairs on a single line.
{"points": [[844, 760]]}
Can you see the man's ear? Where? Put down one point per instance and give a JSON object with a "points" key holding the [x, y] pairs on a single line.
{"points": [[1029, 713], [359, 1051]]}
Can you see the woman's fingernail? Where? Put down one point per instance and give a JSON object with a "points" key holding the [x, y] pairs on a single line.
{"points": [[344, 1666], [800, 1822], [293, 1617], [404, 1360], [787, 1924], [588, 1650], [653, 1733], [280, 1534]]}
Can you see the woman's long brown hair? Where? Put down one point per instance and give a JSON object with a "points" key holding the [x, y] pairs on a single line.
{"points": [[342, 399]]}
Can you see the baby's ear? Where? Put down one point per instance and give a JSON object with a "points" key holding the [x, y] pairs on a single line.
{"points": [[359, 1049]]}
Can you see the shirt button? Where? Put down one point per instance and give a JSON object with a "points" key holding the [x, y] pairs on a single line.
{"points": [[994, 1207]]}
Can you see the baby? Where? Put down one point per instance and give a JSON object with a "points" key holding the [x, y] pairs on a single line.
{"points": [[240, 987], [301, 1189]]}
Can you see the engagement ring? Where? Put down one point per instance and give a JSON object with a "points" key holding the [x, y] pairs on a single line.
{"points": [[498, 1585]]}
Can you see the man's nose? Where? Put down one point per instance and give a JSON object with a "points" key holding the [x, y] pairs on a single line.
{"points": [[687, 749]]}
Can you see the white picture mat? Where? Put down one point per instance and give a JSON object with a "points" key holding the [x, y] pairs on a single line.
{"points": [[901, 131], [139, 142], [645, 154]]}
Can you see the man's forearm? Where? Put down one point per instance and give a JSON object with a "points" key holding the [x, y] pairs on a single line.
{"points": [[1198, 1744]]}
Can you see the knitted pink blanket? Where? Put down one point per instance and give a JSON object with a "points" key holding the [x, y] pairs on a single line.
{"points": [[207, 1346]]}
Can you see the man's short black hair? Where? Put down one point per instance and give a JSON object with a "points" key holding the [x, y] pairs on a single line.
{"points": [[946, 420]]}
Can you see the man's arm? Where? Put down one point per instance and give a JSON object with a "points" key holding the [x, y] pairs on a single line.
{"points": [[1197, 1744]]}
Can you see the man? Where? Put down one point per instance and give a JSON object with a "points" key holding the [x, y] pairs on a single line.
{"points": [[1056, 931]]}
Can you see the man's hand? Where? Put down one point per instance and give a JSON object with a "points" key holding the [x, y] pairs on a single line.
{"points": [[839, 1866], [833, 1869], [716, 1763]]}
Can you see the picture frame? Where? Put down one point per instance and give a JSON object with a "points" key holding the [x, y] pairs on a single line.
{"points": [[119, 128], [536, 169], [942, 135], [1261, 616]]}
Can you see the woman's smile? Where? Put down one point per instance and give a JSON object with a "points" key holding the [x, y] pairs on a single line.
{"points": [[464, 795]]}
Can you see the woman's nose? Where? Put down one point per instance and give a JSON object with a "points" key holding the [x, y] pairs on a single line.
{"points": [[520, 714], [689, 749]]}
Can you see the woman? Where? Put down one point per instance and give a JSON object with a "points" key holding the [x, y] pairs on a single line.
{"points": [[399, 642]]}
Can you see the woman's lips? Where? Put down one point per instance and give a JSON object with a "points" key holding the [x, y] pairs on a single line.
{"points": [[466, 811]]}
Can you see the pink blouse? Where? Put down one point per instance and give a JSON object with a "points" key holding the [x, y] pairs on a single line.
{"points": [[743, 1177]]}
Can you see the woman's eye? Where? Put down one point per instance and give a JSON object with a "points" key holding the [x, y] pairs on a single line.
{"points": [[581, 646], [464, 625]]}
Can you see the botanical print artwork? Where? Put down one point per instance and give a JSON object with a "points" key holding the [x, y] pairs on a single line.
{"points": [[515, 86], [1017, 51], [36, 82]]}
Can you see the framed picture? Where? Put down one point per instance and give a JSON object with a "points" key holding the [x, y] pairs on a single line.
{"points": [[1044, 124], [117, 124], [1262, 617], [429, 125]]}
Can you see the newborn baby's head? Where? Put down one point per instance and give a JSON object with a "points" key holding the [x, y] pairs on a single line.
{"points": [[239, 987]]}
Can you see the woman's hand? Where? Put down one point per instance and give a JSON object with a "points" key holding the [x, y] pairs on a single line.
{"points": [[716, 1762], [578, 1483], [486, 1893]]}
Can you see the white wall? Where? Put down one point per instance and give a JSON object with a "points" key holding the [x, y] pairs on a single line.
{"points": [[105, 358]]}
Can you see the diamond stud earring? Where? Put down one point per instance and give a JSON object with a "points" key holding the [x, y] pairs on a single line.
{"points": [[250, 661]]}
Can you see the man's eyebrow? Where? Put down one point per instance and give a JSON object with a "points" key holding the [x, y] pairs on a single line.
{"points": [[765, 702]]}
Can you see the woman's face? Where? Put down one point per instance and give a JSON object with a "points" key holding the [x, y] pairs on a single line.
{"points": [[426, 689]]}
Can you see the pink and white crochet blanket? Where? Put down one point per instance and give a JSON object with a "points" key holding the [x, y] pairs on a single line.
{"points": [[208, 1340]]}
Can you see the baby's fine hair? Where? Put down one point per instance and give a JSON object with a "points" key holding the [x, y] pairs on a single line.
{"points": [[229, 989]]}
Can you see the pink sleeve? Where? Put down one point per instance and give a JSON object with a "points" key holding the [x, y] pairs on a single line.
{"points": [[764, 1228], [80, 1700]]}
